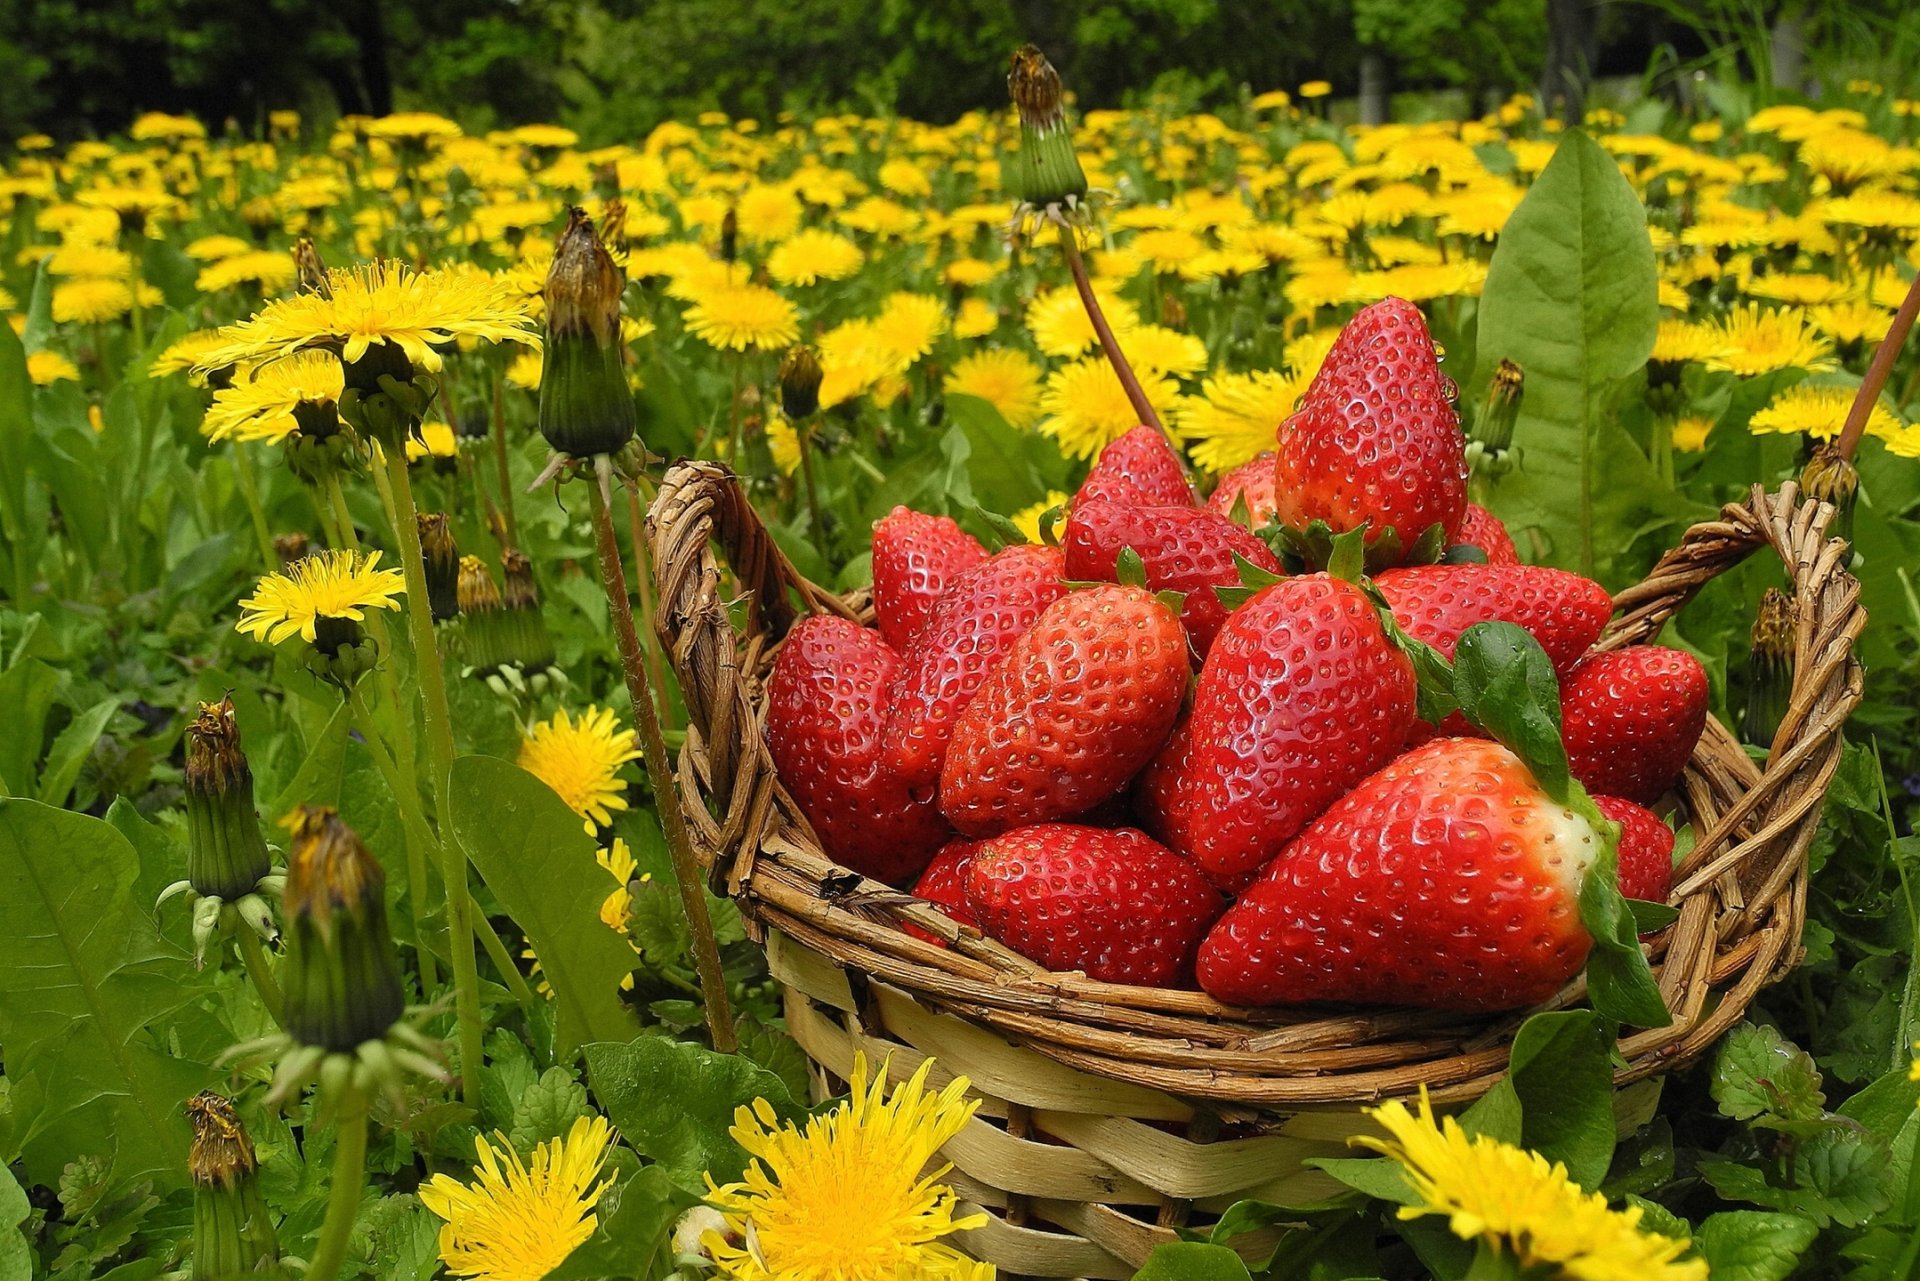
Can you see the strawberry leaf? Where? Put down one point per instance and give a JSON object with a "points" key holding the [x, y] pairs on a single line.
{"points": [[1240, 513], [1174, 602], [1649, 916], [1009, 533], [1506, 686], [1050, 520], [1347, 557], [1253, 581], [1128, 569], [1464, 554], [1619, 983], [1428, 548]]}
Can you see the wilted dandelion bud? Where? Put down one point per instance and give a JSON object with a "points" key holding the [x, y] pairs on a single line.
{"points": [[1770, 666], [233, 1234], [483, 624], [341, 981], [1046, 172], [1493, 426], [586, 407], [730, 235], [442, 563], [800, 378], [1831, 477], [226, 851], [524, 625]]}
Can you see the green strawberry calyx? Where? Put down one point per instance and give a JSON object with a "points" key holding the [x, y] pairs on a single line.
{"points": [[1317, 546], [1129, 570]]}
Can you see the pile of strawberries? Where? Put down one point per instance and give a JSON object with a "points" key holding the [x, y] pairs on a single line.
{"points": [[1153, 754]]}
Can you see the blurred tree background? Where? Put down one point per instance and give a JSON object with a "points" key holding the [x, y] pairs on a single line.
{"points": [[615, 68]]}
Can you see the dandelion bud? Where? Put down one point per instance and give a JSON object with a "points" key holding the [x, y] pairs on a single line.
{"points": [[226, 851], [1046, 172], [1831, 477], [1770, 666], [586, 407], [730, 236], [341, 981], [1493, 427], [442, 563], [233, 1234], [483, 624], [800, 378], [525, 626]]}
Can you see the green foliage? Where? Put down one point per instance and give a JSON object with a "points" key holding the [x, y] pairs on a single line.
{"points": [[1192, 1261]]}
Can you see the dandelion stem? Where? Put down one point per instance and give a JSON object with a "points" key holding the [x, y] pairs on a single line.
{"points": [[1136, 395], [342, 518], [1879, 371], [349, 1181], [802, 432], [666, 795], [506, 473], [439, 718], [643, 585], [420, 839], [250, 494], [254, 957]]}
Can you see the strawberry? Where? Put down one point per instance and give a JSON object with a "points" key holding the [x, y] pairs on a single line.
{"points": [[966, 633], [916, 557], [1435, 603], [944, 884], [1139, 468], [1631, 718], [1646, 849], [1448, 880], [825, 721], [1161, 797], [1376, 439], [1481, 528], [1302, 697], [1184, 549], [1111, 903], [1254, 480], [1078, 706]]}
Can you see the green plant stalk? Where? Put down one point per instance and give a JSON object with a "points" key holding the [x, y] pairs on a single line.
{"points": [[801, 432], [439, 718], [643, 574], [349, 1181], [254, 957], [342, 519], [666, 795], [1879, 370], [500, 456], [419, 839], [1136, 395], [250, 493]]}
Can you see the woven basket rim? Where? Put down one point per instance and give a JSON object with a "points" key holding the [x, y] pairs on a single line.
{"points": [[1741, 892]]}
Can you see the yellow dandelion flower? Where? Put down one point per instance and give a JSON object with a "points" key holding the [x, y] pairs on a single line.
{"points": [[435, 440], [1759, 341], [1315, 89], [904, 178], [1305, 354], [1007, 380], [1235, 417], [814, 255], [618, 862], [1894, 211], [967, 273], [908, 323], [411, 126], [1027, 519], [328, 586], [382, 302], [1802, 288], [1516, 1201], [1690, 433], [580, 760], [1851, 322], [767, 213], [1168, 249], [783, 443], [1164, 351], [1682, 340], [1419, 282], [976, 319], [82, 259], [184, 354], [1059, 323], [525, 369], [91, 302], [850, 1197], [214, 248], [1088, 409], [265, 404], [519, 1221], [737, 317], [853, 358], [1320, 283], [48, 367], [1906, 444], [1818, 412]]}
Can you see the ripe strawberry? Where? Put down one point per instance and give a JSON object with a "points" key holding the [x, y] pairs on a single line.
{"points": [[1113, 904], [1376, 438], [1481, 528], [825, 720], [1184, 549], [1448, 880], [1631, 718], [916, 557], [1436, 603], [1255, 481], [1078, 706], [944, 884], [1302, 697], [966, 633], [1646, 849], [1160, 797], [1139, 468]]}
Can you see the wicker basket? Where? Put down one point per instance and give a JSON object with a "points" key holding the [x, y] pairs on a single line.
{"points": [[1110, 1114]]}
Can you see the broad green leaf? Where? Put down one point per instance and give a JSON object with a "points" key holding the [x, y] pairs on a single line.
{"points": [[70, 751], [1008, 468], [674, 1102], [16, 441], [1379, 1178], [1192, 1261], [1658, 1219], [509, 1074], [631, 1232], [1495, 1114], [1619, 982], [547, 1109], [1759, 1073], [1886, 1105], [1753, 1245], [1560, 1078], [403, 1238], [1837, 1175], [16, 1256], [27, 692], [1570, 297], [530, 849], [1505, 684], [93, 1003]]}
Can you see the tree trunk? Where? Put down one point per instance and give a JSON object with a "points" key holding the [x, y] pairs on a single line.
{"points": [[1571, 49], [1789, 49], [1374, 107]]}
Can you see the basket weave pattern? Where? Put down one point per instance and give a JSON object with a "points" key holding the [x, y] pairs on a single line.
{"points": [[1112, 1113]]}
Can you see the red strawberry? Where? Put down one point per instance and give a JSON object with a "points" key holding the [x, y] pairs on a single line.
{"points": [[966, 633], [916, 557], [1631, 718], [1255, 481], [825, 723], [1184, 549], [1110, 903], [1160, 797], [1302, 697], [1481, 528], [1138, 468], [1436, 603], [1078, 706], [1448, 880], [1376, 439], [1646, 849], [944, 884]]}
